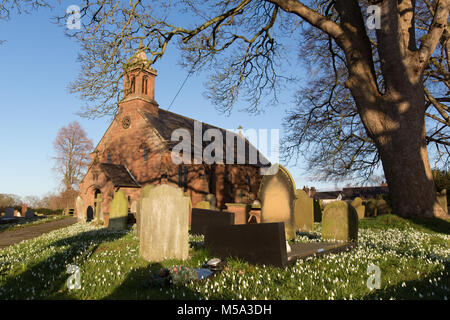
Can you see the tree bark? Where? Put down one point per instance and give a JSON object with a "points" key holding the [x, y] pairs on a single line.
{"points": [[399, 133]]}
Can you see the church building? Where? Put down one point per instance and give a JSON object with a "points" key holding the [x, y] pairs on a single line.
{"points": [[136, 150]]}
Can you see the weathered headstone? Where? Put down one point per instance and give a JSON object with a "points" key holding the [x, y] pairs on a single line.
{"points": [[29, 213], [203, 218], [144, 193], [9, 213], [382, 207], [360, 208], [17, 213], [303, 211], [212, 201], [371, 208], [317, 211], [277, 196], [118, 212], [79, 206], [164, 224], [340, 222], [203, 205]]}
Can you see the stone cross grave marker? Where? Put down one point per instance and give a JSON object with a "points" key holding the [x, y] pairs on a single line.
{"points": [[164, 220], [277, 196]]}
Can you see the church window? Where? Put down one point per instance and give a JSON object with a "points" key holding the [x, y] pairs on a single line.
{"points": [[109, 157], [133, 84], [145, 153], [144, 85]]}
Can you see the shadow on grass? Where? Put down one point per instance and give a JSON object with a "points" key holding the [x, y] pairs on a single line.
{"points": [[424, 288], [134, 287], [46, 279]]}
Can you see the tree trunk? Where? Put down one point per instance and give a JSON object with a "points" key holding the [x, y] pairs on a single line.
{"points": [[403, 151]]}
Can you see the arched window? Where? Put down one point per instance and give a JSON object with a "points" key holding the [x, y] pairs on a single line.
{"points": [[133, 84], [109, 158], [144, 85], [146, 153]]}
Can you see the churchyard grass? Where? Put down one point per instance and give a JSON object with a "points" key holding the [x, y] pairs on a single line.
{"points": [[413, 258], [22, 223]]}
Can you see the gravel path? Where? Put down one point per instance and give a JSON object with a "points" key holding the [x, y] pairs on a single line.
{"points": [[8, 238]]}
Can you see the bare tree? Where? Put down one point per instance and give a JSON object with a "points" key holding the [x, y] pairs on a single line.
{"points": [[242, 42], [72, 148], [325, 126]]}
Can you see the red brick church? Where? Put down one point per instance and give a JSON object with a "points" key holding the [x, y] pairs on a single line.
{"points": [[136, 151]]}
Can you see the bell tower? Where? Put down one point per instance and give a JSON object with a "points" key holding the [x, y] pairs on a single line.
{"points": [[139, 83]]}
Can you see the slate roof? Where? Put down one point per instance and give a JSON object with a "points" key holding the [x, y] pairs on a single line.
{"points": [[166, 122], [352, 193], [119, 175]]}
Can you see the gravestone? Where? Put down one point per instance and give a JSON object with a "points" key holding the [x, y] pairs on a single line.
{"points": [[79, 205], [118, 212], [277, 196], [203, 205], [17, 213], [144, 193], [29, 213], [360, 208], [382, 207], [340, 222], [317, 211], [303, 211], [203, 218], [164, 224], [9, 213], [98, 212], [133, 207], [371, 208], [212, 201]]}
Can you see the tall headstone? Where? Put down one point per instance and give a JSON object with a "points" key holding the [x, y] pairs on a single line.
{"points": [[340, 222], [118, 212], [98, 207], [164, 224], [360, 208], [212, 201], [304, 211], [79, 205], [277, 196], [144, 193], [371, 208], [9, 213], [383, 207]]}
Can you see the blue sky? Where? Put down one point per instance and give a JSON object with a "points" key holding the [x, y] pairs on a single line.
{"points": [[37, 63]]}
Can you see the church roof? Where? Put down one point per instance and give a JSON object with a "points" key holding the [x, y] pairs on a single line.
{"points": [[165, 122], [119, 175]]}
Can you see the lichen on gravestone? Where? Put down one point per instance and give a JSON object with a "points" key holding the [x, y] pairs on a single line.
{"points": [[340, 222]]}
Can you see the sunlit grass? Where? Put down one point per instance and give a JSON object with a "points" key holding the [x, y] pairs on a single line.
{"points": [[413, 261]]}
